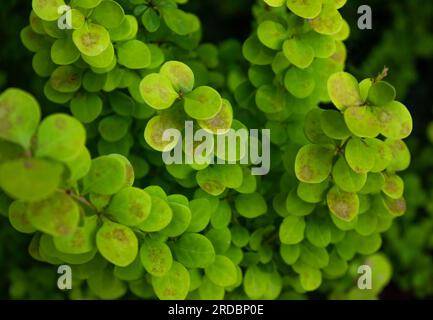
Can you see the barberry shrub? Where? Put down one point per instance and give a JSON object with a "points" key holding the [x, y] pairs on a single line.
{"points": [[90, 185]]}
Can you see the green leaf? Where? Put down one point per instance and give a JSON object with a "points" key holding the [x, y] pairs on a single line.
{"points": [[180, 75], [260, 75], [180, 22], [180, 220], [344, 205], [47, 10], [394, 186], [312, 193], [210, 291], [271, 99], [58, 215], [240, 235], [87, 4], [86, 107], [117, 243], [343, 225], [343, 90], [312, 127], [91, 39], [105, 285], [200, 214], [127, 30], [56, 96], [108, 13], [395, 120], [359, 156], [292, 230], [318, 232], [275, 3], [105, 60], [32, 41], [299, 83], [208, 53], [60, 137], [362, 121], [222, 122], [272, 34], [251, 205], [77, 19], [107, 176], [156, 257], [151, 20], [255, 282], [174, 285], [336, 268], [134, 54], [157, 91], [310, 279], [364, 88], [290, 253], [296, 206], [210, 181], [333, 125], [64, 52], [42, 63], [298, 53], [382, 154], [66, 79], [381, 93], [256, 53], [307, 9], [329, 21], [323, 46], [203, 103], [10, 151], [30, 179], [313, 256], [93, 82], [396, 207], [19, 116], [280, 63], [347, 179], [222, 216], [157, 56], [313, 163], [132, 272], [160, 215], [114, 127], [220, 238], [222, 271], [400, 155], [154, 134], [194, 250], [131, 206], [367, 223], [17, 215], [369, 244], [81, 241]]}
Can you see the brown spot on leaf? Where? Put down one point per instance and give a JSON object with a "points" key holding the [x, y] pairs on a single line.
{"points": [[307, 173], [60, 123], [119, 235], [90, 39]]}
